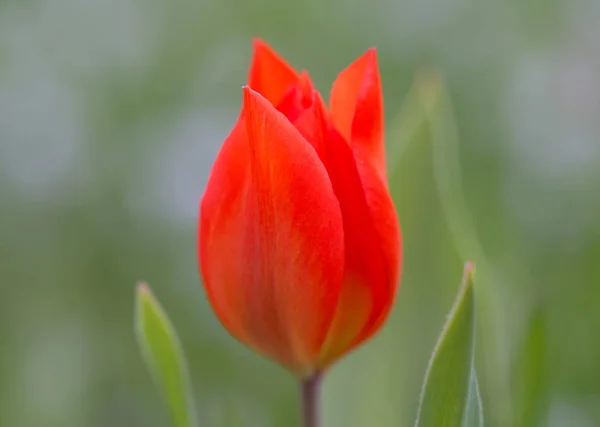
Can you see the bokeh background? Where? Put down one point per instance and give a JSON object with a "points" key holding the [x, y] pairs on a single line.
{"points": [[112, 111]]}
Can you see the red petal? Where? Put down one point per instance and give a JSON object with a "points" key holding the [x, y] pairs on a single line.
{"points": [[387, 231], [357, 109], [271, 238], [297, 98], [270, 74], [371, 236]]}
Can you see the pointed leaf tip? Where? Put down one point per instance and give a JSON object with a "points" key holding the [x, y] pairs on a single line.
{"points": [[468, 274], [162, 352], [142, 289], [447, 390]]}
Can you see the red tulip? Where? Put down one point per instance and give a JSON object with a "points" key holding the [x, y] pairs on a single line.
{"points": [[299, 244]]}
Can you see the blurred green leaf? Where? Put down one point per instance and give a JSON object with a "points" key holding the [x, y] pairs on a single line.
{"points": [[445, 141], [448, 379], [163, 354], [529, 373], [404, 129]]}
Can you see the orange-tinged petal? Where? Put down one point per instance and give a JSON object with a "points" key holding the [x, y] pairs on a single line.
{"points": [[271, 238], [371, 236], [373, 258], [270, 74], [387, 230], [357, 109]]}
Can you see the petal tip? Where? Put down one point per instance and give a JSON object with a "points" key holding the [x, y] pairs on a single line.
{"points": [[258, 43], [270, 74], [250, 96], [371, 54]]}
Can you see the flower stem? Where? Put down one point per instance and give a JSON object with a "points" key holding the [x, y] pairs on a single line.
{"points": [[311, 401]]}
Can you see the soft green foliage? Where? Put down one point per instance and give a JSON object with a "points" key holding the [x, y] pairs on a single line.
{"points": [[444, 138], [164, 356], [529, 373], [445, 399]]}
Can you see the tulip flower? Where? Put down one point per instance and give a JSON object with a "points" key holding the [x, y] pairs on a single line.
{"points": [[299, 242]]}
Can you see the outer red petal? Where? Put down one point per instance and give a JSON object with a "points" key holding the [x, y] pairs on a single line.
{"points": [[387, 231], [271, 238], [371, 236], [357, 109], [270, 74]]}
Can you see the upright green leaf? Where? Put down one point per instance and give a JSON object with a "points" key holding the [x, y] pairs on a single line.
{"points": [[445, 395], [163, 354]]}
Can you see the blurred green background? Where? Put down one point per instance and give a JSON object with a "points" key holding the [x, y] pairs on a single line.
{"points": [[112, 111]]}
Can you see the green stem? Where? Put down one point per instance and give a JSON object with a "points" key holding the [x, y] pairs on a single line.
{"points": [[310, 395]]}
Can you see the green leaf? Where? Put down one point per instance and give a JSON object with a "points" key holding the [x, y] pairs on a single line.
{"points": [[405, 129], [493, 334], [448, 381], [474, 411], [529, 373], [163, 354]]}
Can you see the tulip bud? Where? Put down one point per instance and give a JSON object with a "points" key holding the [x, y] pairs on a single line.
{"points": [[299, 243]]}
